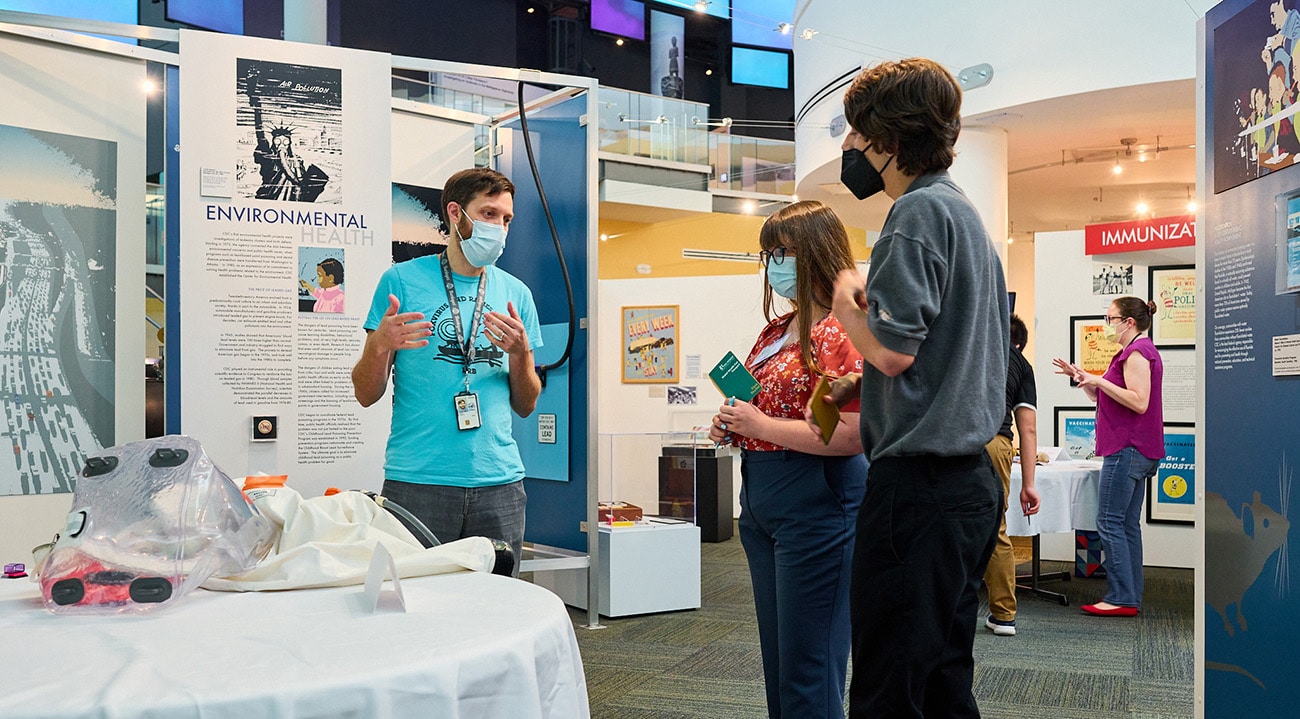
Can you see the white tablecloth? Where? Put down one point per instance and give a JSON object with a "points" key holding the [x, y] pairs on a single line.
{"points": [[1067, 493], [470, 645]]}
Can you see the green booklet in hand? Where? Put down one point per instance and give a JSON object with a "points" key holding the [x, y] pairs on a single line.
{"points": [[733, 380]]}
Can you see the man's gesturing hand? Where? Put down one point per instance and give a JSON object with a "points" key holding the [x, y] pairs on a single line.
{"points": [[401, 331]]}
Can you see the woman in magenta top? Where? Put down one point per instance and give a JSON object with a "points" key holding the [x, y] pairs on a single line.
{"points": [[1131, 442], [799, 497]]}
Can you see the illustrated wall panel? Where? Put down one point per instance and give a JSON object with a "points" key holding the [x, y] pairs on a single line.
{"points": [[72, 139], [286, 205], [1251, 435]]}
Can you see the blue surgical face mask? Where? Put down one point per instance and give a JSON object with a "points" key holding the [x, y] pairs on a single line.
{"points": [[485, 243], [782, 277]]}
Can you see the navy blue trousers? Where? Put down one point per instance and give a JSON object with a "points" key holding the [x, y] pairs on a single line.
{"points": [[927, 527], [797, 514]]}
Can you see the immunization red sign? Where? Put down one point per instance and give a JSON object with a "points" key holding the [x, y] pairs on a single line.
{"points": [[1154, 234]]}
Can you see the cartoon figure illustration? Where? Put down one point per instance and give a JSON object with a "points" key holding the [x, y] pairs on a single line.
{"points": [[1236, 549], [1280, 46], [329, 296], [284, 174]]}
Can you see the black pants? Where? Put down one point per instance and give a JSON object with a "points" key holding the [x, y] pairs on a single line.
{"points": [[925, 532]]}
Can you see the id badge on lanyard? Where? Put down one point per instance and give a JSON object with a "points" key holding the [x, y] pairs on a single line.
{"points": [[467, 416], [466, 402]]}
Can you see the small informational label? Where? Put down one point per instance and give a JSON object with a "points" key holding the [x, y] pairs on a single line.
{"points": [[1286, 355], [658, 392], [546, 428], [692, 367], [216, 182]]}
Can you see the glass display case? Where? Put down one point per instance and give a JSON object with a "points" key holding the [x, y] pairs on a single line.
{"points": [[649, 502]]}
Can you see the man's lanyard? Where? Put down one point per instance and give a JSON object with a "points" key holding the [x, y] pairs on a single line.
{"points": [[467, 348]]}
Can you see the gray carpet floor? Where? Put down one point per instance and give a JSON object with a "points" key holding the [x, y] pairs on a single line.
{"points": [[1061, 664]]}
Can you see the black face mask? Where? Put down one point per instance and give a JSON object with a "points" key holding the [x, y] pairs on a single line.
{"points": [[859, 176]]}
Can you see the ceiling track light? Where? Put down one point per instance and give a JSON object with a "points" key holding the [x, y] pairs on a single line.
{"points": [[701, 5], [807, 33], [784, 28]]}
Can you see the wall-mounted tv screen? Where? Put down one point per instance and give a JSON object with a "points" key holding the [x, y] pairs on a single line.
{"points": [[123, 11], [716, 8], [756, 22], [625, 18], [221, 15], [764, 68]]}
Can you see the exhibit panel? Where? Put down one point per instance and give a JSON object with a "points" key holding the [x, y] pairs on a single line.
{"points": [[72, 139], [1250, 328], [285, 229]]}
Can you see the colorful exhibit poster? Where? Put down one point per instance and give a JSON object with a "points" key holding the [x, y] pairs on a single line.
{"points": [[1289, 249], [1076, 431], [278, 265], [650, 344], [1089, 347], [1173, 490], [1173, 289]]}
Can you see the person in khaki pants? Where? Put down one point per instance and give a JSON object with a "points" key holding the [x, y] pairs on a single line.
{"points": [[1022, 395]]}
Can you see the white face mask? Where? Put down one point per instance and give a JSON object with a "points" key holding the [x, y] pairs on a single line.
{"points": [[485, 243]]}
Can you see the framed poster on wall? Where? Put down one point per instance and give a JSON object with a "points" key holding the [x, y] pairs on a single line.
{"points": [[1288, 242], [1076, 431], [1172, 492], [1089, 347], [1173, 289], [649, 344]]}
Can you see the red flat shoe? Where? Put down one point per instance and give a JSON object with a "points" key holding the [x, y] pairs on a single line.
{"points": [[1097, 611]]}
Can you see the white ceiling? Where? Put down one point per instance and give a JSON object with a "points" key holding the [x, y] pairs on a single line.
{"points": [[1069, 194]]}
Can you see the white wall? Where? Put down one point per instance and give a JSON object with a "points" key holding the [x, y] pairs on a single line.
{"points": [[1063, 288], [716, 314], [1038, 51]]}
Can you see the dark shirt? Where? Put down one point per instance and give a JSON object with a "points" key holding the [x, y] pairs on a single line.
{"points": [[1021, 389]]}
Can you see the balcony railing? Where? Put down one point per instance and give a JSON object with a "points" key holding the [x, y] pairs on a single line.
{"points": [[645, 126]]}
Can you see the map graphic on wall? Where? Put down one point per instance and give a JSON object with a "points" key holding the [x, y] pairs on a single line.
{"points": [[417, 222], [1255, 99], [290, 140], [58, 269]]}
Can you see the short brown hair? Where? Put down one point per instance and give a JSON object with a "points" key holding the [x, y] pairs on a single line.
{"points": [[464, 186], [910, 108]]}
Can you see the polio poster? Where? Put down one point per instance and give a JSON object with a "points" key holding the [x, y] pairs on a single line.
{"points": [[286, 207]]}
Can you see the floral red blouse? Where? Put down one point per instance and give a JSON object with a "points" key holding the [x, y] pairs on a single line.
{"points": [[787, 383]]}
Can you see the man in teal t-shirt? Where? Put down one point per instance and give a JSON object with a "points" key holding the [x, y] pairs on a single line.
{"points": [[461, 362]]}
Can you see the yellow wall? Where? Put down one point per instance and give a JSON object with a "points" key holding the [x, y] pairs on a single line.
{"points": [[660, 246]]}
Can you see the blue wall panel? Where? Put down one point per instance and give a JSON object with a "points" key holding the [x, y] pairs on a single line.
{"points": [[1252, 426], [555, 509]]}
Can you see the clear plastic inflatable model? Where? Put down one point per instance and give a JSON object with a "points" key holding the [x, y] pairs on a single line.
{"points": [[150, 521]]}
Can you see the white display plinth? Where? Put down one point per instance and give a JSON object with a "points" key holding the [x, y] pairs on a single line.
{"points": [[643, 569]]}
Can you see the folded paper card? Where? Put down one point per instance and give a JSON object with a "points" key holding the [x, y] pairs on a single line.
{"points": [[733, 380], [1047, 455]]}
